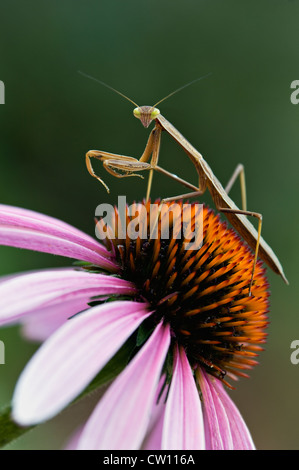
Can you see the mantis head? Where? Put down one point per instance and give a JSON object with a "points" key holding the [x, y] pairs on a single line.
{"points": [[146, 114]]}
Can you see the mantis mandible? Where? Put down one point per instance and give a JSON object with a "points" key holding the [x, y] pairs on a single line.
{"points": [[114, 163]]}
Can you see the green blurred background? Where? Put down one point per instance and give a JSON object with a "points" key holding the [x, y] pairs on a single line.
{"points": [[241, 113]]}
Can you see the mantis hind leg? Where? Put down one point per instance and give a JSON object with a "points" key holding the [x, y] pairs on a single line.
{"points": [[239, 171], [197, 191], [259, 216]]}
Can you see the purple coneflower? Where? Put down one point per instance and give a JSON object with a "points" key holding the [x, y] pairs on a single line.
{"points": [[194, 324]]}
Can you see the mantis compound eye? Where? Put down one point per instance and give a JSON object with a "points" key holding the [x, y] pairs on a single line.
{"points": [[137, 112], [155, 112]]}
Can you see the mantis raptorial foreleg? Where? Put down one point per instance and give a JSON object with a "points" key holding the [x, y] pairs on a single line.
{"points": [[113, 162]]}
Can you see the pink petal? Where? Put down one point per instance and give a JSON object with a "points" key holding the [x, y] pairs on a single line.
{"points": [[121, 418], [73, 439], [217, 426], [241, 436], [40, 324], [24, 218], [39, 241], [183, 424], [153, 439], [28, 292], [71, 357]]}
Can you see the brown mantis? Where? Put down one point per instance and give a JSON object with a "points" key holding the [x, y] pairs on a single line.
{"points": [[115, 164]]}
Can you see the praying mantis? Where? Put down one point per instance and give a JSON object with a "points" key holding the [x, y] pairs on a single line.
{"points": [[115, 164]]}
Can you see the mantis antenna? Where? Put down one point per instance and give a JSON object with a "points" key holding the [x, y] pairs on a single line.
{"points": [[181, 88], [107, 86], [129, 99]]}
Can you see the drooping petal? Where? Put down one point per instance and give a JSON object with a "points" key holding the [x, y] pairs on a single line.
{"points": [[19, 217], [73, 440], [40, 324], [26, 293], [37, 241], [121, 418], [153, 438], [33, 231], [183, 422], [217, 425], [241, 436], [71, 357]]}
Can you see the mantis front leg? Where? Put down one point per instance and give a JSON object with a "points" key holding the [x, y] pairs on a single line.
{"points": [[113, 162]]}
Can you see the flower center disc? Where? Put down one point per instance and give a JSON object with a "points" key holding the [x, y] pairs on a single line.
{"points": [[202, 293]]}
